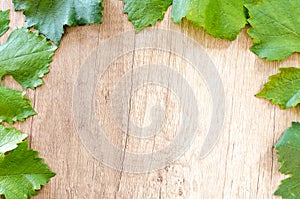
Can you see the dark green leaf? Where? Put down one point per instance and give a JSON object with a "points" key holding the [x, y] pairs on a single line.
{"points": [[288, 149], [26, 57], [146, 12], [4, 22], [13, 106], [50, 16], [22, 172]]}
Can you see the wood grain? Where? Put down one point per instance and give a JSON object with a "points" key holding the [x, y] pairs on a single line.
{"points": [[243, 164]]}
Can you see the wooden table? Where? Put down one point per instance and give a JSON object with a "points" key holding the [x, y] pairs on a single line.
{"points": [[243, 163]]}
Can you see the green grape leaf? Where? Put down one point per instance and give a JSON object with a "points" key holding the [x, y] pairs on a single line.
{"points": [[223, 19], [22, 173], [146, 12], [4, 22], [26, 57], [220, 18], [192, 10], [275, 28], [9, 138], [288, 149], [283, 88], [50, 16], [13, 106]]}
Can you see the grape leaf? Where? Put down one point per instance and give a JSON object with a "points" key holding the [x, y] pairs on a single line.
{"points": [[13, 106], [21, 173], [223, 19], [26, 57], [283, 88], [220, 18], [9, 138], [50, 16], [275, 28], [146, 12], [192, 10], [4, 22], [288, 149]]}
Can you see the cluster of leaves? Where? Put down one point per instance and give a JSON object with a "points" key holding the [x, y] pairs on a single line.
{"points": [[274, 23], [283, 89], [21, 171], [273, 27], [26, 57], [276, 34], [288, 149]]}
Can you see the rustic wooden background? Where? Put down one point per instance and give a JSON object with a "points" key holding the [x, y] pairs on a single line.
{"points": [[243, 164]]}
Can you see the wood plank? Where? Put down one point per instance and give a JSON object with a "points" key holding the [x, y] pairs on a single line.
{"points": [[243, 164]]}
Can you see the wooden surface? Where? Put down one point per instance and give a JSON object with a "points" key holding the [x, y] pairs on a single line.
{"points": [[243, 164]]}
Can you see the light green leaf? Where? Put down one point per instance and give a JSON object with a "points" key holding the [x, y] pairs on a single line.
{"points": [[283, 88], [146, 12], [275, 28], [13, 106], [192, 10], [50, 16], [4, 22], [9, 138], [288, 149], [221, 18], [26, 57], [21, 173]]}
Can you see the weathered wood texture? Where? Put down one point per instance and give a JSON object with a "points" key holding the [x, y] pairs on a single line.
{"points": [[243, 164]]}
